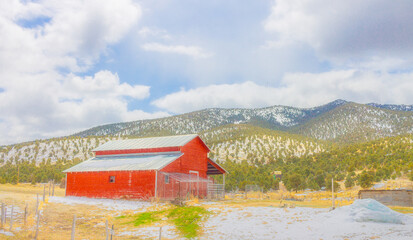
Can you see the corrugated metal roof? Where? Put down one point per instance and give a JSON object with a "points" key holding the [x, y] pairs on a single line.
{"points": [[125, 162], [143, 143]]}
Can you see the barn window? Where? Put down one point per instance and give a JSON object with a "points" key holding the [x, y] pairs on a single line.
{"points": [[112, 179], [166, 178]]}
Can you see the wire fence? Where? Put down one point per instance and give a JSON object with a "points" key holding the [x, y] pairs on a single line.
{"points": [[171, 186]]}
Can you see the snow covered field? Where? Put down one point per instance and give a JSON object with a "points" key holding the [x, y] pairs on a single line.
{"points": [[365, 219], [108, 204]]}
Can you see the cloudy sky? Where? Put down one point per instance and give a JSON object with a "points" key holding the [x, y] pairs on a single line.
{"points": [[67, 65]]}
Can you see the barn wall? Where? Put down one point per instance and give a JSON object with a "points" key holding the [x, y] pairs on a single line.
{"points": [[389, 197], [128, 184], [174, 166], [195, 157]]}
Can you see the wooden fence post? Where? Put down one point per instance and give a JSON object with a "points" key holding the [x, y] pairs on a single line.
{"points": [[11, 218], [160, 233], [107, 230], [37, 205], [5, 216], [44, 192], [37, 227], [53, 189], [332, 193], [2, 215], [112, 232], [25, 214], [73, 227]]}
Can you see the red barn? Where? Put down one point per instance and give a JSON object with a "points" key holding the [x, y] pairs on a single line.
{"points": [[161, 167]]}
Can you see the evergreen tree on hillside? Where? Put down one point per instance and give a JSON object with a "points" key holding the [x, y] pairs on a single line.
{"points": [[366, 180], [295, 182]]}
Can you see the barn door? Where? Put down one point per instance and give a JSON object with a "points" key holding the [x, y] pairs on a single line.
{"points": [[194, 183]]}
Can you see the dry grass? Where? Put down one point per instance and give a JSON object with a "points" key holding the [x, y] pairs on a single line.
{"points": [[399, 183], [56, 219], [319, 199]]}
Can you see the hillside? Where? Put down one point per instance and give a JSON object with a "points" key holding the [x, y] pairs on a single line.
{"points": [[237, 134], [338, 121], [276, 117], [67, 148], [240, 142], [381, 159], [39, 161], [354, 122]]}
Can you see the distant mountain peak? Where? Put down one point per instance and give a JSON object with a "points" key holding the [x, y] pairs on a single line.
{"points": [[394, 107], [339, 102]]}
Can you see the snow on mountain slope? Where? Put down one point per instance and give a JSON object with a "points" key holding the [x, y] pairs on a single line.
{"points": [[393, 107], [357, 123], [246, 142], [243, 142], [276, 117], [52, 149]]}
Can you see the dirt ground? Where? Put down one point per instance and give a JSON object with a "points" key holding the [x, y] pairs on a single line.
{"points": [[55, 218], [57, 213]]}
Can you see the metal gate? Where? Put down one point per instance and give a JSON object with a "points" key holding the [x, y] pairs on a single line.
{"points": [[216, 191]]}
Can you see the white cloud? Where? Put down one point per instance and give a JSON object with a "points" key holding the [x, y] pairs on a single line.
{"points": [[345, 31], [75, 35], [40, 38], [192, 51], [147, 32], [298, 89], [104, 84], [38, 106]]}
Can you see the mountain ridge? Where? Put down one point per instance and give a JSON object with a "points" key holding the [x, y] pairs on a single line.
{"points": [[354, 122], [275, 117], [395, 107], [283, 118]]}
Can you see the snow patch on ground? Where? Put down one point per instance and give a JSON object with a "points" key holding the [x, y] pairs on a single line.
{"points": [[108, 204], [370, 210], [152, 232], [379, 185], [365, 219], [10, 234]]}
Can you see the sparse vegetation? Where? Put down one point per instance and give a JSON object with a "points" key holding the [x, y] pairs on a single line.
{"points": [[382, 159], [145, 218], [186, 219]]}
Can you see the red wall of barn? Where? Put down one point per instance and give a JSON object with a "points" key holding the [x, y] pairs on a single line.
{"points": [[195, 158], [128, 184]]}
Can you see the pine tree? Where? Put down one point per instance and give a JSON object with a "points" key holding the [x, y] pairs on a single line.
{"points": [[366, 180]]}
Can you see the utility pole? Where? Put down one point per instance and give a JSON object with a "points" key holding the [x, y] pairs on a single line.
{"points": [[332, 193]]}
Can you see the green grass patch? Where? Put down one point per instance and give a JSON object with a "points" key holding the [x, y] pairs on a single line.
{"points": [[144, 218], [187, 219]]}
